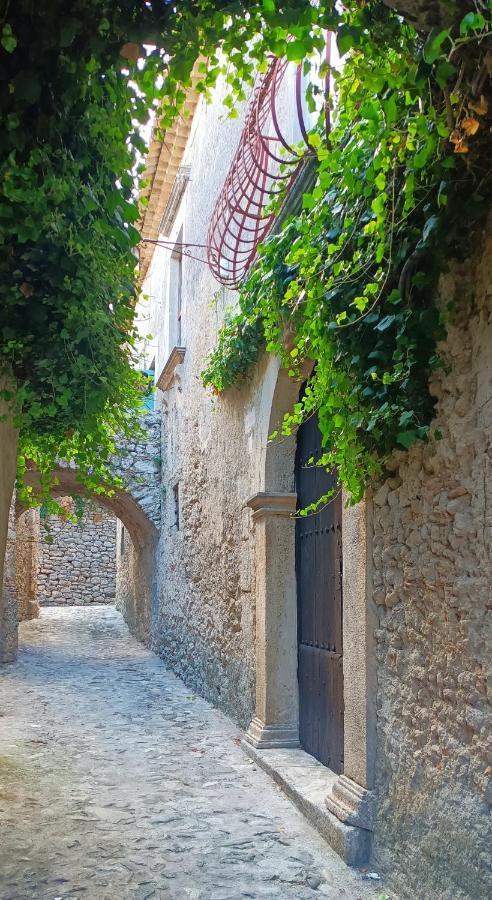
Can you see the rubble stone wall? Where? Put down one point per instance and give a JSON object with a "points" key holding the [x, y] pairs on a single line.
{"points": [[432, 572], [79, 567]]}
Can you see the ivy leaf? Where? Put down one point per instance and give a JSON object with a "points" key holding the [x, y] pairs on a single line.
{"points": [[407, 438], [445, 71], [8, 39], [131, 51], [473, 21], [347, 38], [380, 181], [295, 51], [429, 227], [433, 44], [391, 110]]}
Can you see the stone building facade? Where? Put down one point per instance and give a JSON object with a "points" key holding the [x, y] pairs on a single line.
{"points": [[79, 566], [432, 583], [414, 793]]}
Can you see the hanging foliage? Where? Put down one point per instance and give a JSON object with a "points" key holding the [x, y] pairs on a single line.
{"points": [[403, 184], [79, 79], [78, 84]]}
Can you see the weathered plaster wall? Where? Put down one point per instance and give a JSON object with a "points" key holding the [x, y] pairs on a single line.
{"points": [[26, 563], [204, 614], [136, 577], [433, 584], [79, 567], [138, 463]]}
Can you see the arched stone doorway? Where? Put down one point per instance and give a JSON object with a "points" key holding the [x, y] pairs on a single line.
{"points": [[339, 804]]}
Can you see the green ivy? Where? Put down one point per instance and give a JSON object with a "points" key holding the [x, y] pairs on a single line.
{"points": [[79, 78], [350, 282]]}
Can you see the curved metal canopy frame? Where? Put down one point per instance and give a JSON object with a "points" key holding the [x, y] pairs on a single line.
{"points": [[264, 162]]}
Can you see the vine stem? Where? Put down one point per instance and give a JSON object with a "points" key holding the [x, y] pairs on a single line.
{"points": [[390, 249]]}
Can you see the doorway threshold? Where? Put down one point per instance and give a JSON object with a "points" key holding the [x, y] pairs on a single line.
{"points": [[307, 783]]}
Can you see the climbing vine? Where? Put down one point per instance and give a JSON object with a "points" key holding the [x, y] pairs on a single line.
{"points": [[80, 77], [350, 281]]}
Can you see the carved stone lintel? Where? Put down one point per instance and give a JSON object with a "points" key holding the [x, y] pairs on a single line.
{"points": [[351, 803], [265, 737], [272, 504], [175, 358]]}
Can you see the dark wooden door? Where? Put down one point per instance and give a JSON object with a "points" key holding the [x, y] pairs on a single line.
{"points": [[319, 593]]}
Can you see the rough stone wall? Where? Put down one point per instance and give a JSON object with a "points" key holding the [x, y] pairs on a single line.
{"points": [[432, 557], [138, 463], [26, 563], [79, 567]]}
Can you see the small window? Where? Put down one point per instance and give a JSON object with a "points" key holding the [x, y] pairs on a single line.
{"points": [[122, 540], [176, 505]]}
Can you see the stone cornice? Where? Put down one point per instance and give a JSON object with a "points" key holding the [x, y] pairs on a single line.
{"points": [[175, 358], [162, 165], [275, 503]]}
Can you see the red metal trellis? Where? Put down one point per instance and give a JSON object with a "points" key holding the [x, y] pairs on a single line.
{"points": [[264, 161]]}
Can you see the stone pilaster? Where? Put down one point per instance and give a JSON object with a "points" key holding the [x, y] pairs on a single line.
{"points": [[277, 703]]}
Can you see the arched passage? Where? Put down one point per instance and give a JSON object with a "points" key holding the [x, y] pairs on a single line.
{"points": [[138, 581]]}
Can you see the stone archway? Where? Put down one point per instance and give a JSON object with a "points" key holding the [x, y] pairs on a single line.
{"points": [[136, 604], [339, 805]]}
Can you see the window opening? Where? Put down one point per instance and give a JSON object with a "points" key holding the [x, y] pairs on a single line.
{"points": [[176, 505]]}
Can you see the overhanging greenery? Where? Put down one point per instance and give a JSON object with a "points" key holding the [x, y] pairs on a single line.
{"points": [[74, 98], [78, 83], [350, 283]]}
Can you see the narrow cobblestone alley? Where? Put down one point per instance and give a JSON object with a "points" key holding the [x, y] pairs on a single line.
{"points": [[116, 782]]}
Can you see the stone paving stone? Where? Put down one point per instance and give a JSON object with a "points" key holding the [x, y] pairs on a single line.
{"points": [[117, 782]]}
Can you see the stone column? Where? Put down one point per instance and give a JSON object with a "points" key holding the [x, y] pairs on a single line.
{"points": [[9, 609], [26, 563], [351, 798], [8, 600], [276, 723]]}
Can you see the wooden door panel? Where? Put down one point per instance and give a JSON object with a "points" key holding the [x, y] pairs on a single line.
{"points": [[319, 589]]}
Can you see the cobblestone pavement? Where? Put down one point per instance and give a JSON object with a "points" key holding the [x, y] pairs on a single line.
{"points": [[116, 782]]}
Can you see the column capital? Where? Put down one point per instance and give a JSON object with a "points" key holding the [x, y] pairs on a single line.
{"points": [[274, 503]]}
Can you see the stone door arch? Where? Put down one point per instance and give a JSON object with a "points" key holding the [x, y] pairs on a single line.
{"points": [[346, 803]]}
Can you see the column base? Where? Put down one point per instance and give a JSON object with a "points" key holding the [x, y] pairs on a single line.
{"points": [[265, 737], [351, 803], [307, 783]]}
